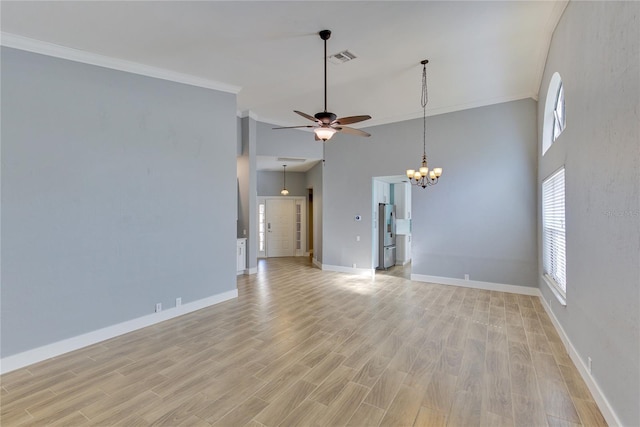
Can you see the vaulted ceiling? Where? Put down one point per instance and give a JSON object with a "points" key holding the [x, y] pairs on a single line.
{"points": [[480, 52]]}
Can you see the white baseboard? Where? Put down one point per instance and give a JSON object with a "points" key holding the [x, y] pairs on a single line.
{"points": [[340, 269], [476, 284], [29, 357], [317, 263], [252, 270], [607, 411], [403, 263]]}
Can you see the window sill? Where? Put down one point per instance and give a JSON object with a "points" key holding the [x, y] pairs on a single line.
{"points": [[551, 284]]}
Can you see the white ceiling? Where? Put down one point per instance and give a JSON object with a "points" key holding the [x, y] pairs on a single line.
{"points": [[269, 163], [480, 52]]}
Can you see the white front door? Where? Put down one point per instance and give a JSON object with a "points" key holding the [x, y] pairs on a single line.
{"points": [[280, 227]]}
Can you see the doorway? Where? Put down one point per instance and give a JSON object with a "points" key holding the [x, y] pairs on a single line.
{"points": [[282, 226], [396, 191], [279, 227]]}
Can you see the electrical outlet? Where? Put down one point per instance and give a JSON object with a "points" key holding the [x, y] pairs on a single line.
{"points": [[357, 238], [178, 302], [354, 266], [466, 277], [589, 364], [158, 307]]}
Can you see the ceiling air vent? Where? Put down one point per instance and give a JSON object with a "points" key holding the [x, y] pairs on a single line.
{"points": [[291, 160], [342, 57]]}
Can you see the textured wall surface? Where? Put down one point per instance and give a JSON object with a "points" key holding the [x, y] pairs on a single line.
{"points": [[270, 183], [479, 220], [596, 51], [118, 192]]}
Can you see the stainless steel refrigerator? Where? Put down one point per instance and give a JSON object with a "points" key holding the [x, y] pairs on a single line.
{"points": [[386, 235]]}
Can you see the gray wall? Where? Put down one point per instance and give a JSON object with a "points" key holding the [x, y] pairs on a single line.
{"points": [[595, 48], [112, 185], [314, 180], [247, 225], [480, 219], [287, 142], [270, 183]]}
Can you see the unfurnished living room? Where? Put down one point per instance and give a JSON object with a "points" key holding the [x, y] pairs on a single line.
{"points": [[320, 213]]}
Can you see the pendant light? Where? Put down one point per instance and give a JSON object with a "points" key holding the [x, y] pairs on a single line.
{"points": [[284, 190], [424, 177]]}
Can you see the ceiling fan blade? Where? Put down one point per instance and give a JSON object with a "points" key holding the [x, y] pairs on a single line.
{"points": [[294, 127], [306, 116], [351, 131], [351, 119]]}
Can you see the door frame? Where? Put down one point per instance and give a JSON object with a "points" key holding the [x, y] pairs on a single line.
{"points": [[301, 201]]}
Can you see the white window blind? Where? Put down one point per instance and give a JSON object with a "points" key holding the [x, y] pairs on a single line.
{"points": [[553, 229]]}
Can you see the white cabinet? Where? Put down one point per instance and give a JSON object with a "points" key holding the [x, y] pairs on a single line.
{"points": [[382, 192], [402, 198], [403, 249], [241, 255]]}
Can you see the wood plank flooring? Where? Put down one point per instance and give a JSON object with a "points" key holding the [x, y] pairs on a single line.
{"points": [[304, 347]]}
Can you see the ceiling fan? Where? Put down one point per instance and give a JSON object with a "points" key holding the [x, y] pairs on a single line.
{"points": [[328, 123]]}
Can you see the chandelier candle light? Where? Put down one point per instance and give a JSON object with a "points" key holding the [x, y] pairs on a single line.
{"points": [[423, 176], [284, 190]]}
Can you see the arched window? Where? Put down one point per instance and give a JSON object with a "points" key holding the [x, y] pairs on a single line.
{"points": [[554, 113]]}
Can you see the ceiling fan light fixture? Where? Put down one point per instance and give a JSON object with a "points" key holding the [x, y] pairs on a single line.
{"points": [[324, 133], [327, 123]]}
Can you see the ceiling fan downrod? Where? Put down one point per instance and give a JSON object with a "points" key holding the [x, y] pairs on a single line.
{"points": [[327, 123], [324, 35]]}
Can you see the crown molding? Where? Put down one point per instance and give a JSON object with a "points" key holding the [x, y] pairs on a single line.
{"points": [[447, 109], [248, 113], [550, 27], [44, 48]]}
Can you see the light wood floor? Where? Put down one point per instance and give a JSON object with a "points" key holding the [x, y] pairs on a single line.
{"points": [[305, 347]]}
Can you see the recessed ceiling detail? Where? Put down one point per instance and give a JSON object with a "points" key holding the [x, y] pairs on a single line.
{"points": [[291, 160]]}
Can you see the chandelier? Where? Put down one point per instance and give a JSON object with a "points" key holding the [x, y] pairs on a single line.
{"points": [[284, 190], [424, 177]]}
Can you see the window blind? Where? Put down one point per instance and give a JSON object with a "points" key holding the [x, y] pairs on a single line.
{"points": [[553, 228]]}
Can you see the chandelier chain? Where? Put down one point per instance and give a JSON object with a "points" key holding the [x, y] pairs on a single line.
{"points": [[423, 101], [424, 177]]}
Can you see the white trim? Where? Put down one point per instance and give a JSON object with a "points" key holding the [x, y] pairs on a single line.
{"points": [[252, 270], [603, 404], [20, 360], [369, 272], [601, 400], [490, 286], [446, 109], [317, 263], [554, 289], [44, 48], [247, 113]]}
